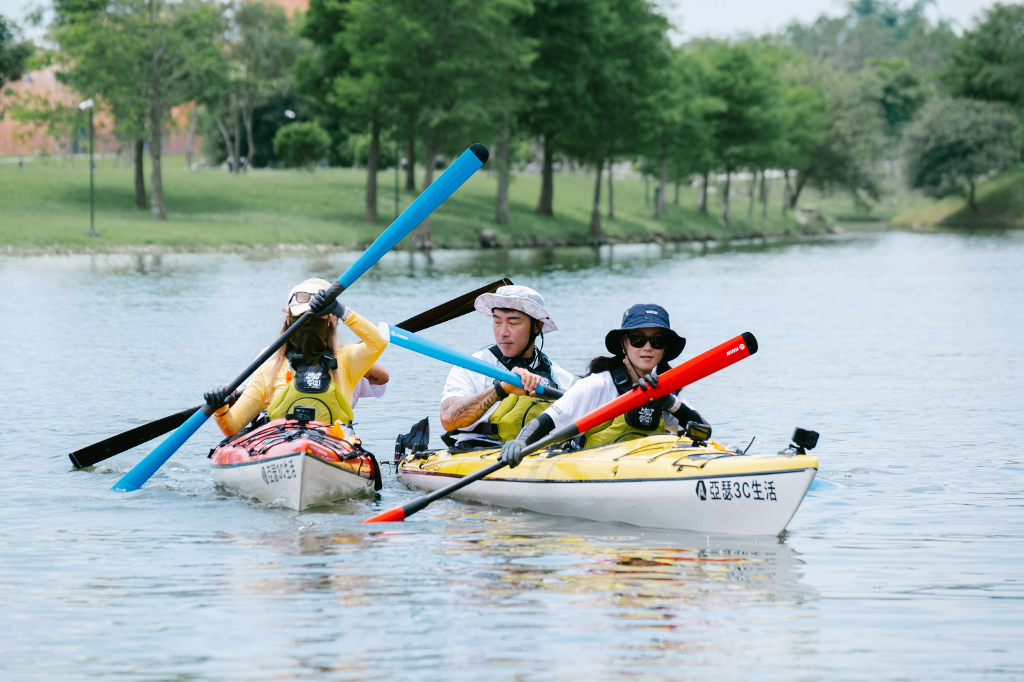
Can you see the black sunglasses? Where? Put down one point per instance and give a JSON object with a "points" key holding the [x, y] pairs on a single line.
{"points": [[658, 341]]}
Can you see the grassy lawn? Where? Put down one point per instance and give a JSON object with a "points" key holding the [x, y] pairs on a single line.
{"points": [[1000, 203], [47, 204]]}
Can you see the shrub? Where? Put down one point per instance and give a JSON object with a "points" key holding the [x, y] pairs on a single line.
{"points": [[302, 145]]}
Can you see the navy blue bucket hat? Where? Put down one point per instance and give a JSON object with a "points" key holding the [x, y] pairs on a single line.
{"points": [[644, 316]]}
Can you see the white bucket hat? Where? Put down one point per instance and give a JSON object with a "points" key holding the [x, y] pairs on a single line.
{"points": [[514, 297], [310, 286]]}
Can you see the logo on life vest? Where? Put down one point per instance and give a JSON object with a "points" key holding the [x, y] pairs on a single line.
{"points": [[646, 414], [313, 378]]}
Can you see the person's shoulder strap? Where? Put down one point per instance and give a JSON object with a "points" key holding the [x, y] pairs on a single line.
{"points": [[496, 352], [620, 377]]}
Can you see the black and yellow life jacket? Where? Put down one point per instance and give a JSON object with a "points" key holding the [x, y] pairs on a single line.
{"points": [[514, 411], [643, 421], [312, 386]]}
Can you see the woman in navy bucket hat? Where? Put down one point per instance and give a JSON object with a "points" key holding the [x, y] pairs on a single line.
{"points": [[641, 348]]}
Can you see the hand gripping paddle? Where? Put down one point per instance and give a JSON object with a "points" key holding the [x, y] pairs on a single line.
{"points": [[695, 369], [432, 197]]}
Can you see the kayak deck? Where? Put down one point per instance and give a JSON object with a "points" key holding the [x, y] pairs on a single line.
{"points": [[659, 481]]}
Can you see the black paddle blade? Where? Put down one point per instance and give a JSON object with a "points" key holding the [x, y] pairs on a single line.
{"points": [[450, 310], [115, 445]]}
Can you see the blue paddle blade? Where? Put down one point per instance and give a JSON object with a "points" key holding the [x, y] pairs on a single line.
{"points": [[135, 478], [453, 177]]}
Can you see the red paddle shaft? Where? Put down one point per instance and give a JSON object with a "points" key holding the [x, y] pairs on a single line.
{"points": [[695, 369]]}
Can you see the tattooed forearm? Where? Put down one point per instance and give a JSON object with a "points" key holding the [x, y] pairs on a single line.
{"points": [[458, 413]]}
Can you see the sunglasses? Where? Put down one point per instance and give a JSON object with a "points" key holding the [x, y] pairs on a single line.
{"points": [[658, 341], [300, 297]]}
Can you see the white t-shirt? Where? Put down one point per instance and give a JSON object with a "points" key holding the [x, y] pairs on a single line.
{"points": [[588, 394], [463, 383], [364, 389]]}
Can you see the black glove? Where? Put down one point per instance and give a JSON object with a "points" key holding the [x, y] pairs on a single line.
{"points": [[219, 397], [512, 453], [319, 307], [649, 381]]}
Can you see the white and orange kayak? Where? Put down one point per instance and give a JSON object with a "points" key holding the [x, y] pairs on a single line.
{"points": [[295, 464]]}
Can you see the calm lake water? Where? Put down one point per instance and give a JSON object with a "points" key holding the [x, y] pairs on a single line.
{"points": [[906, 560]]}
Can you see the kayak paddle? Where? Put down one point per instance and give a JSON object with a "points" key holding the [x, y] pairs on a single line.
{"points": [[400, 336], [695, 369], [432, 197], [115, 445]]}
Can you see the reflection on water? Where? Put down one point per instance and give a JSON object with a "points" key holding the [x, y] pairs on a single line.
{"points": [[904, 562]]}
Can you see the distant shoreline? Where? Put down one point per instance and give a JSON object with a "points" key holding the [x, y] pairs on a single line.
{"points": [[806, 232]]}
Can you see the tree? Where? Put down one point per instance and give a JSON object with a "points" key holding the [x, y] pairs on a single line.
{"points": [[747, 122], [264, 53], [634, 52], [141, 57], [564, 33], [851, 142], [901, 93], [954, 143], [988, 62], [302, 145], [13, 53]]}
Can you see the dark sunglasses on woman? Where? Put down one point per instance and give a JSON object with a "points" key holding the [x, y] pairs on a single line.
{"points": [[658, 341]]}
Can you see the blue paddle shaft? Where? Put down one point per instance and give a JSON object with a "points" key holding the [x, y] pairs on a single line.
{"points": [[135, 478], [450, 180], [435, 350], [432, 197]]}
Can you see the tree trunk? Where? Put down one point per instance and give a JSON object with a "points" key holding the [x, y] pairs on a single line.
{"points": [[247, 119], [502, 211], [702, 206], [370, 214], [595, 214], [801, 179], [410, 163], [786, 192], [970, 200], [659, 205], [675, 199], [726, 213], [190, 140], [424, 233], [156, 196], [764, 195], [547, 182], [750, 202], [237, 149], [611, 191], [227, 141], [138, 149]]}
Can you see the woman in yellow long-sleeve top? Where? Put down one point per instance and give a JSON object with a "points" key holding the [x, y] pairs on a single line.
{"points": [[312, 369]]}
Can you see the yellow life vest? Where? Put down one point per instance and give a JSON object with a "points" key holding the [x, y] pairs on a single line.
{"points": [[513, 413], [312, 386], [638, 423]]}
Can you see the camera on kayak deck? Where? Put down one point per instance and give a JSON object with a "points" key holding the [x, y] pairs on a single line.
{"points": [[803, 440], [303, 415], [699, 433]]}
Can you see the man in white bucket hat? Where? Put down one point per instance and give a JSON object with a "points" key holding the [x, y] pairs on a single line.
{"points": [[479, 412]]}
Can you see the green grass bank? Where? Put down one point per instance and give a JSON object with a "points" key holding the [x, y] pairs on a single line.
{"points": [[45, 205], [1000, 203]]}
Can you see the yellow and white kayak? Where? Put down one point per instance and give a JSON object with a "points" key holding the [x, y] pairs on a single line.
{"points": [[660, 481]]}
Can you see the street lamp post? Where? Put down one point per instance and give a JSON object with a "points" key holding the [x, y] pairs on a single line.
{"points": [[88, 104]]}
